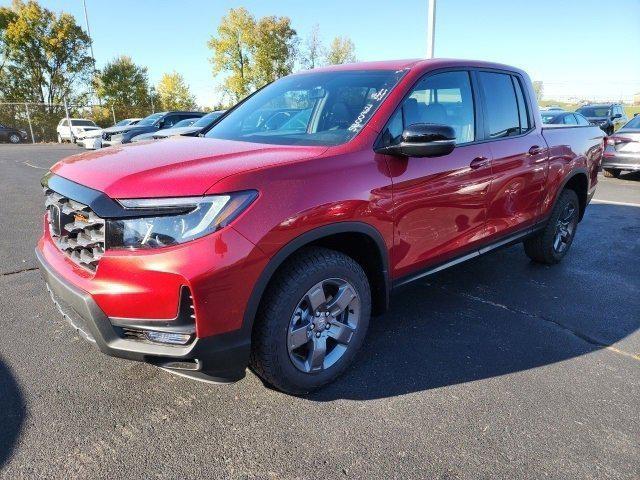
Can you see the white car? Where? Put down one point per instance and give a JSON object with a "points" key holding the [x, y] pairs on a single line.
{"points": [[69, 133], [92, 139]]}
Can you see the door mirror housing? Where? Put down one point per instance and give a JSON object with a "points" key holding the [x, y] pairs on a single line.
{"points": [[423, 140], [616, 115]]}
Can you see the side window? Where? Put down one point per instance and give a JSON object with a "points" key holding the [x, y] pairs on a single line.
{"points": [[569, 119], [502, 107], [170, 121], [581, 120], [443, 98], [63, 122], [523, 113]]}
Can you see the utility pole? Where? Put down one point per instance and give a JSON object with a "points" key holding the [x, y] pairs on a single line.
{"points": [[431, 27], [86, 19]]}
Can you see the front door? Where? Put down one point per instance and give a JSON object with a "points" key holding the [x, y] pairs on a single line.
{"points": [[439, 202]]}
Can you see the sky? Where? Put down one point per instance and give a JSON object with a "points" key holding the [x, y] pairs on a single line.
{"points": [[578, 48]]}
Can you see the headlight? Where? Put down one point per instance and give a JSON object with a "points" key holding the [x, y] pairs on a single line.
{"points": [[170, 221], [117, 138]]}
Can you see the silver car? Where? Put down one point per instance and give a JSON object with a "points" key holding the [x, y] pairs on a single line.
{"points": [[622, 149]]}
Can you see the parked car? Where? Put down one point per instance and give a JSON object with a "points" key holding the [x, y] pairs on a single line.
{"points": [[69, 133], [152, 123], [92, 140], [194, 129], [12, 135], [563, 118], [608, 116], [552, 108], [272, 243], [622, 150]]}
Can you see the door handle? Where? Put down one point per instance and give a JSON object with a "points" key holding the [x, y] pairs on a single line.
{"points": [[535, 150], [479, 162]]}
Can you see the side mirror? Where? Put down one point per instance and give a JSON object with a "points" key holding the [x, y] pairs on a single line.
{"points": [[423, 140], [617, 115]]}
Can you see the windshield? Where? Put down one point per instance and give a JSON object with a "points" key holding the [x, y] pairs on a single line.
{"points": [[207, 119], [82, 123], [122, 123], [633, 123], [318, 108], [549, 118], [184, 123], [151, 119], [594, 111]]}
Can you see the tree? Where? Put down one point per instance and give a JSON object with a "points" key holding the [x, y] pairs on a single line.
{"points": [[342, 50], [233, 50], [122, 82], [275, 45], [313, 51], [538, 88], [46, 55], [174, 93]]}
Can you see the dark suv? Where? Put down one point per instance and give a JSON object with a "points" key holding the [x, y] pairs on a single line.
{"points": [[152, 123], [608, 116], [12, 135]]}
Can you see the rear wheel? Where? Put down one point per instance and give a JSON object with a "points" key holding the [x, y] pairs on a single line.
{"points": [[550, 245], [611, 172], [312, 321]]}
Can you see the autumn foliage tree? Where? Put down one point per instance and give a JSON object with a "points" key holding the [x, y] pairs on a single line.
{"points": [[45, 55], [341, 50], [174, 94], [251, 53]]}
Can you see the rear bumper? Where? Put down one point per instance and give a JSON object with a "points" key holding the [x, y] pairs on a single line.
{"points": [[221, 358], [623, 162]]}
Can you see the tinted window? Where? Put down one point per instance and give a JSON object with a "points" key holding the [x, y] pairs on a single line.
{"points": [[82, 123], [594, 111], [523, 112], [569, 120], [444, 98], [316, 108], [502, 107], [633, 123], [151, 119], [581, 120]]}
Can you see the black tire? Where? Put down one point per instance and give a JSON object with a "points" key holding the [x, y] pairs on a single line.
{"points": [[270, 357], [611, 172], [14, 138], [541, 247]]}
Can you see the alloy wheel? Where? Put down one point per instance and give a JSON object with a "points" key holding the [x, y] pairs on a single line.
{"points": [[14, 138], [322, 325], [565, 228]]}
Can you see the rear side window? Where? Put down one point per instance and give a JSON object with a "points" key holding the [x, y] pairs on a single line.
{"points": [[503, 116], [523, 112], [569, 119], [581, 120]]}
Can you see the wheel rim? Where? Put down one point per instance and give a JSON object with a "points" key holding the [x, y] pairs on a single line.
{"points": [[565, 228], [14, 138], [323, 324]]}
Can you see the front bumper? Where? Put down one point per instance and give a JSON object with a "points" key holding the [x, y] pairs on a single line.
{"points": [[221, 358]]}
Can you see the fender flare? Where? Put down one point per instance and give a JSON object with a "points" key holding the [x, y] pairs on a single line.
{"points": [[305, 239], [574, 172]]}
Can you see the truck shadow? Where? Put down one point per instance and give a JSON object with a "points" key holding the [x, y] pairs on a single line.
{"points": [[501, 314], [12, 413]]}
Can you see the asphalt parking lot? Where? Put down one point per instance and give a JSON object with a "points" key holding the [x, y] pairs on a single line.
{"points": [[495, 368]]}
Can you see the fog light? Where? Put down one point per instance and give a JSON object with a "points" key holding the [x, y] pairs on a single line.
{"points": [[168, 337]]}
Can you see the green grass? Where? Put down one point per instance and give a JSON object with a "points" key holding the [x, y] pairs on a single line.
{"points": [[630, 110]]}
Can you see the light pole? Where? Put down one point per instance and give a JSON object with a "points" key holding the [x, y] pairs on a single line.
{"points": [[86, 19], [431, 27]]}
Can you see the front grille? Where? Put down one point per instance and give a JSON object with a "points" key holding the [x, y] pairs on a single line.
{"points": [[76, 229], [106, 136]]}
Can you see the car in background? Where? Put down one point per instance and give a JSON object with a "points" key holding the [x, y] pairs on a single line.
{"points": [[608, 116], [622, 149], [69, 133], [554, 117], [92, 139], [152, 123], [12, 135], [194, 129], [551, 108]]}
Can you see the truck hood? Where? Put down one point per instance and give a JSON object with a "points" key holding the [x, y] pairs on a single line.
{"points": [[177, 166]]}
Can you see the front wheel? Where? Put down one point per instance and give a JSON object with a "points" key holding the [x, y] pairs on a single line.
{"points": [[611, 172], [552, 243], [312, 321], [14, 138]]}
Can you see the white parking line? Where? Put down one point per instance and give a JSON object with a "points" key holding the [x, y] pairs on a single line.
{"points": [[611, 202]]}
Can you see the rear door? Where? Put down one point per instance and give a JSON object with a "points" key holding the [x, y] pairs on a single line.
{"points": [[440, 202], [518, 150]]}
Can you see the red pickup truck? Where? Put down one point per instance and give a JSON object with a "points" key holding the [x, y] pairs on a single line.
{"points": [[272, 240]]}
